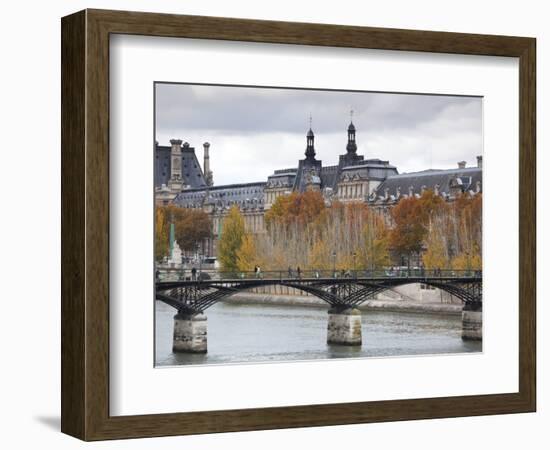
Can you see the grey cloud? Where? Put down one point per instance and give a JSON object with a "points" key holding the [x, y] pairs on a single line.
{"points": [[412, 131]]}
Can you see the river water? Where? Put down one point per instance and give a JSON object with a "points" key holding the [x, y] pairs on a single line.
{"points": [[244, 333]]}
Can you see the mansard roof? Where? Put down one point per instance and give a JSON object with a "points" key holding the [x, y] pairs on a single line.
{"points": [[329, 177], [242, 194], [370, 169], [191, 169], [282, 178], [192, 173], [162, 165], [469, 179], [305, 167]]}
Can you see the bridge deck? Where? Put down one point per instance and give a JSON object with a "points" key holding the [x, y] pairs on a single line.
{"points": [[193, 296], [341, 280]]}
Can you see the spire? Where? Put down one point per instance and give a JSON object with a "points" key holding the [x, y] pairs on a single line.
{"points": [[310, 138], [351, 126], [352, 145]]}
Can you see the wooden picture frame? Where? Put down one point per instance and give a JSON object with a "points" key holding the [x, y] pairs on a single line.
{"points": [[85, 224]]}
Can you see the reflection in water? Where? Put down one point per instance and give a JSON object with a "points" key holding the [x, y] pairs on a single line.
{"points": [[258, 333]]}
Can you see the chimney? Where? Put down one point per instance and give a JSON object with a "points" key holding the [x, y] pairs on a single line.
{"points": [[462, 164], [176, 180], [176, 145], [206, 165], [480, 161]]}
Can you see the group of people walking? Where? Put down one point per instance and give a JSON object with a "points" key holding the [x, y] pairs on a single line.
{"points": [[291, 273]]}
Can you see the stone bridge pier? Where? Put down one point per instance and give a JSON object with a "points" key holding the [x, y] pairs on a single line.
{"points": [[189, 333], [344, 326], [472, 322]]}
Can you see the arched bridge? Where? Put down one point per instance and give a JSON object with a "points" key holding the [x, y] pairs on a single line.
{"points": [[341, 290]]}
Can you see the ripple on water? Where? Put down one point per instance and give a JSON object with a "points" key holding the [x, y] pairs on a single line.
{"points": [[240, 333]]}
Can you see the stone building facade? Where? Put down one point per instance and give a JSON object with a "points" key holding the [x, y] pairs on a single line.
{"points": [[180, 180]]}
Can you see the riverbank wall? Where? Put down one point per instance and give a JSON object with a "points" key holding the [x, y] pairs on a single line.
{"points": [[378, 304]]}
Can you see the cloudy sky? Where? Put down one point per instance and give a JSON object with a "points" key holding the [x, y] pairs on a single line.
{"points": [[253, 131]]}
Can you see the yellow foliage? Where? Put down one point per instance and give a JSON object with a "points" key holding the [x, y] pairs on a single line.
{"points": [[464, 261], [319, 256], [435, 256], [162, 244], [231, 239], [247, 255]]}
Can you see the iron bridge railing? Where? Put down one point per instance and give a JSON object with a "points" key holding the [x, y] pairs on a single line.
{"points": [[216, 275], [192, 292]]}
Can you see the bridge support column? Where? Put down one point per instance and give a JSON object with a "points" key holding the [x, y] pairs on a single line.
{"points": [[189, 334], [344, 326], [472, 322]]}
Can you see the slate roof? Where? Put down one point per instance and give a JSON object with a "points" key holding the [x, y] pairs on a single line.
{"points": [[162, 165], [282, 178], [304, 167], [245, 195], [191, 169], [371, 169], [329, 177], [467, 177]]}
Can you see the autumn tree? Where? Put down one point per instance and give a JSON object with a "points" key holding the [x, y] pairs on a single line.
{"points": [[374, 253], [411, 217], [162, 243], [408, 233], [320, 255], [436, 255], [466, 231], [191, 226], [247, 254], [233, 232], [301, 208]]}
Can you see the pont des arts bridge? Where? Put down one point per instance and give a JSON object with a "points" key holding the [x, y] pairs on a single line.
{"points": [[342, 291]]}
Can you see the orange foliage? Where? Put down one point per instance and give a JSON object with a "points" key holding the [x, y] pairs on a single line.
{"points": [[411, 217], [296, 208]]}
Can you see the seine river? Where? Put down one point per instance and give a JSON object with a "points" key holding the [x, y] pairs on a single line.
{"points": [[240, 333]]}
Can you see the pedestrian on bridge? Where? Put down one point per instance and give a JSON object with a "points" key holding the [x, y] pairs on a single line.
{"points": [[289, 272], [194, 274], [299, 272]]}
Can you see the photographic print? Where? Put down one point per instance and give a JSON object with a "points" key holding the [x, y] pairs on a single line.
{"points": [[297, 224]]}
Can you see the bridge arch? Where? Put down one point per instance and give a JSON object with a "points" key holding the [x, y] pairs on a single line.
{"points": [[193, 297]]}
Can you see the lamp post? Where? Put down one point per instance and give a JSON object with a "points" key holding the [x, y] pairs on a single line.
{"points": [[354, 264], [199, 256], [334, 264]]}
